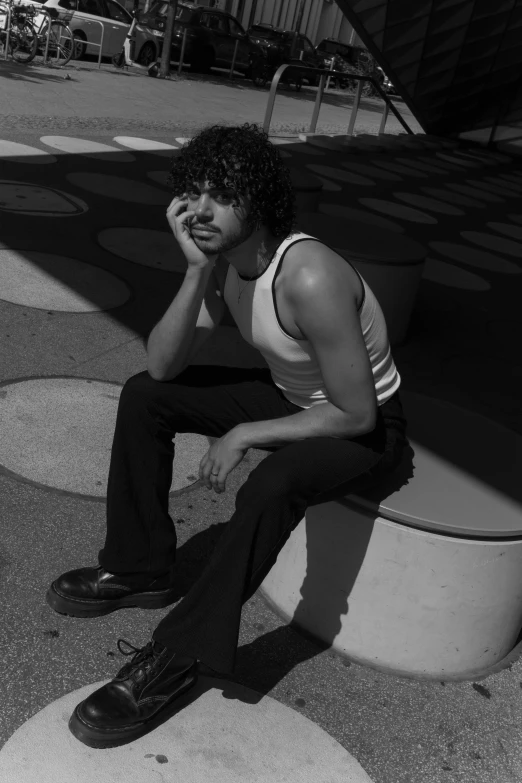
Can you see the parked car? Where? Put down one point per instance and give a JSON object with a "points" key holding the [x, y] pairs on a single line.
{"points": [[356, 59], [211, 37], [275, 47], [84, 24]]}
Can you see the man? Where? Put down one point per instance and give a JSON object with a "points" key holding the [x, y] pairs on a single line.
{"points": [[327, 409]]}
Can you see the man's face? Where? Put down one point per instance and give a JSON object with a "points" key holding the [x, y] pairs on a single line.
{"points": [[218, 224]]}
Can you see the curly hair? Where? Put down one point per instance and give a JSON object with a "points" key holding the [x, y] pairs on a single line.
{"points": [[243, 159]]}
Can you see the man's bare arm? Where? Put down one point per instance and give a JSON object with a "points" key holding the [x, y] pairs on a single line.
{"points": [[323, 299]]}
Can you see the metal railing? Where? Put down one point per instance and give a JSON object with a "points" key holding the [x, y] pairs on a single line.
{"points": [[325, 73], [91, 43]]}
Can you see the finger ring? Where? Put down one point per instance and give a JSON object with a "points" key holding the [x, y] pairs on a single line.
{"points": [[214, 474]]}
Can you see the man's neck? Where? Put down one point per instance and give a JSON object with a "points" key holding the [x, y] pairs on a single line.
{"points": [[252, 257]]}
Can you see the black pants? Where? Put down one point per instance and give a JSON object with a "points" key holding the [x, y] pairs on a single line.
{"points": [[141, 536]]}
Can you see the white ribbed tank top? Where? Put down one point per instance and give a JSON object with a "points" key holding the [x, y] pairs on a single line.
{"points": [[292, 362]]}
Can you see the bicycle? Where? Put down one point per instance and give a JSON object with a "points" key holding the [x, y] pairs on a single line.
{"points": [[56, 41], [18, 35]]}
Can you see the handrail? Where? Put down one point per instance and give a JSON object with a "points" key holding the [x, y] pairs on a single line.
{"points": [[320, 90]]}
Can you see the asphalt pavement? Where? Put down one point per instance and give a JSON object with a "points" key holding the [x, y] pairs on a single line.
{"points": [[81, 289]]}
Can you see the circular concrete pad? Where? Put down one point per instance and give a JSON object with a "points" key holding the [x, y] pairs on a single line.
{"points": [[157, 249], [415, 199], [473, 257], [397, 210], [160, 177], [57, 432], [493, 242], [85, 147], [340, 174], [145, 145], [507, 228], [23, 153], [360, 216], [25, 198], [46, 281], [119, 188], [225, 734], [453, 276]]}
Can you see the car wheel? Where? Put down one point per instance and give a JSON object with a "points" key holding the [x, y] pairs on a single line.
{"points": [[80, 45], [147, 54], [202, 60]]}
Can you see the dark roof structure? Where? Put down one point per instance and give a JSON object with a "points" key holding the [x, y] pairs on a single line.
{"points": [[456, 63]]}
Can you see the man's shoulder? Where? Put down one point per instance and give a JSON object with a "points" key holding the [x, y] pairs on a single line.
{"points": [[312, 266]]}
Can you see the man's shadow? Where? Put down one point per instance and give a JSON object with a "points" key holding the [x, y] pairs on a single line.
{"points": [[264, 662]]}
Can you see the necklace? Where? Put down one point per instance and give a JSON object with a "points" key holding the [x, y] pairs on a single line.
{"points": [[241, 290]]}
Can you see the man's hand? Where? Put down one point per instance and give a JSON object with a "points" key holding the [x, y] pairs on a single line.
{"points": [[179, 220], [221, 458]]}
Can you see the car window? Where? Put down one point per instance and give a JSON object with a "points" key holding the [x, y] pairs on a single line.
{"points": [[118, 13], [307, 46], [71, 5], [222, 25], [235, 28], [94, 7]]}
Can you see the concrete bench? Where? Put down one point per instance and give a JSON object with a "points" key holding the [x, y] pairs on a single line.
{"points": [[421, 575], [390, 263]]}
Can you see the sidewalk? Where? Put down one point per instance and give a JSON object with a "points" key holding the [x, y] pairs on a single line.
{"points": [[107, 100], [81, 320]]}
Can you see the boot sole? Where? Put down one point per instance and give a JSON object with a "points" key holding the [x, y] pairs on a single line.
{"points": [[78, 607], [113, 738]]}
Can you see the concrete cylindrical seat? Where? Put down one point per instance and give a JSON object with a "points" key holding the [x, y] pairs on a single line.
{"points": [[421, 575], [390, 263], [307, 189]]}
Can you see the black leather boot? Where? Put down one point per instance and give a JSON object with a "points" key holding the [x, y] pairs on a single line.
{"points": [[143, 695], [92, 592]]}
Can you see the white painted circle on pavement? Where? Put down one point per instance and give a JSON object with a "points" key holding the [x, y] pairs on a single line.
{"points": [[23, 153], [224, 733], [505, 228], [419, 165], [370, 171], [458, 161], [505, 191], [452, 276], [397, 210], [145, 246], [433, 205], [119, 188], [47, 281], [453, 198], [340, 174], [94, 149], [27, 199], [306, 149], [473, 257], [400, 168], [58, 432], [146, 145], [476, 193], [160, 177], [360, 216], [505, 183], [493, 242]]}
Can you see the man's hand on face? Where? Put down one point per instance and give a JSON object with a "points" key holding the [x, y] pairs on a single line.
{"points": [[179, 220], [221, 458]]}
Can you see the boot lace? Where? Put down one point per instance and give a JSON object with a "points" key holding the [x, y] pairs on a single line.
{"points": [[143, 661]]}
